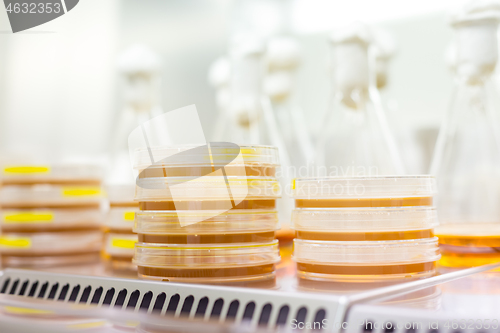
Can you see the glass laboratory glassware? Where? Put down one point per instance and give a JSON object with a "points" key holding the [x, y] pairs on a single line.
{"points": [[466, 159], [140, 71], [283, 59], [356, 139], [250, 117], [405, 134]]}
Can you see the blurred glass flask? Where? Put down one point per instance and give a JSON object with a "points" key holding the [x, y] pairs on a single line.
{"points": [[246, 114], [283, 59], [356, 139], [141, 83], [466, 159]]}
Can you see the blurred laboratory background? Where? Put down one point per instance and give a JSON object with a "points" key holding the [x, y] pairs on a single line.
{"points": [[61, 84]]}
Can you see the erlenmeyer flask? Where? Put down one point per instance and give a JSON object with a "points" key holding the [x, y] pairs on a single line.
{"points": [[140, 74], [250, 115], [283, 58], [410, 150], [466, 159], [356, 139]]}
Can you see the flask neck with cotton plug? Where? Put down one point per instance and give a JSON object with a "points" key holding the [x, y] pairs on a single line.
{"points": [[466, 159], [356, 139]]}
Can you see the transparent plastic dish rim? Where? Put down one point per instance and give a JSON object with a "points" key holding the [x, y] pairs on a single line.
{"points": [[202, 247], [375, 187], [359, 210], [207, 179], [338, 215], [209, 255], [370, 244], [269, 152], [364, 177], [198, 213], [184, 147]]}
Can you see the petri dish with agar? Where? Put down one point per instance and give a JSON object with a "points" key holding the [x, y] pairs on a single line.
{"points": [[364, 229]]}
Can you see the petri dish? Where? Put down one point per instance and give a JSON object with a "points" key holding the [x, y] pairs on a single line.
{"points": [[217, 155], [246, 169], [232, 221], [365, 261], [453, 256], [470, 234], [206, 205], [121, 195], [50, 196], [45, 243], [207, 263], [364, 223], [121, 218], [119, 244], [207, 188], [51, 219], [469, 244], [74, 174], [44, 261], [332, 192]]}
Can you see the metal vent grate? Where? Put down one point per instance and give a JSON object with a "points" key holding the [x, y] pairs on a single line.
{"points": [[266, 308]]}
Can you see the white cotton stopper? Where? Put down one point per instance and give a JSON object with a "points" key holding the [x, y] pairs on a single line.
{"points": [[350, 61], [138, 59], [246, 78], [219, 72], [476, 40], [278, 85], [283, 53]]}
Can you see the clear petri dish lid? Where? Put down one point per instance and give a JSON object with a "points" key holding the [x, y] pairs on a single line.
{"points": [[121, 194], [206, 222], [47, 195], [363, 187], [213, 154], [121, 218], [230, 188], [366, 253], [364, 219], [40, 243], [51, 219], [52, 174], [206, 255]]}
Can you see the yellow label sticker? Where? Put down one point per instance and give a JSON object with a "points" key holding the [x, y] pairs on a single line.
{"points": [[129, 216], [31, 217], [26, 170], [81, 191], [123, 243], [16, 242], [18, 310]]}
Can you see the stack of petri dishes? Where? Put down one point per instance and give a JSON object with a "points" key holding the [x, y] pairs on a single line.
{"points": [[364, 229], [119, 238], [207, 214], [51, 215]]}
